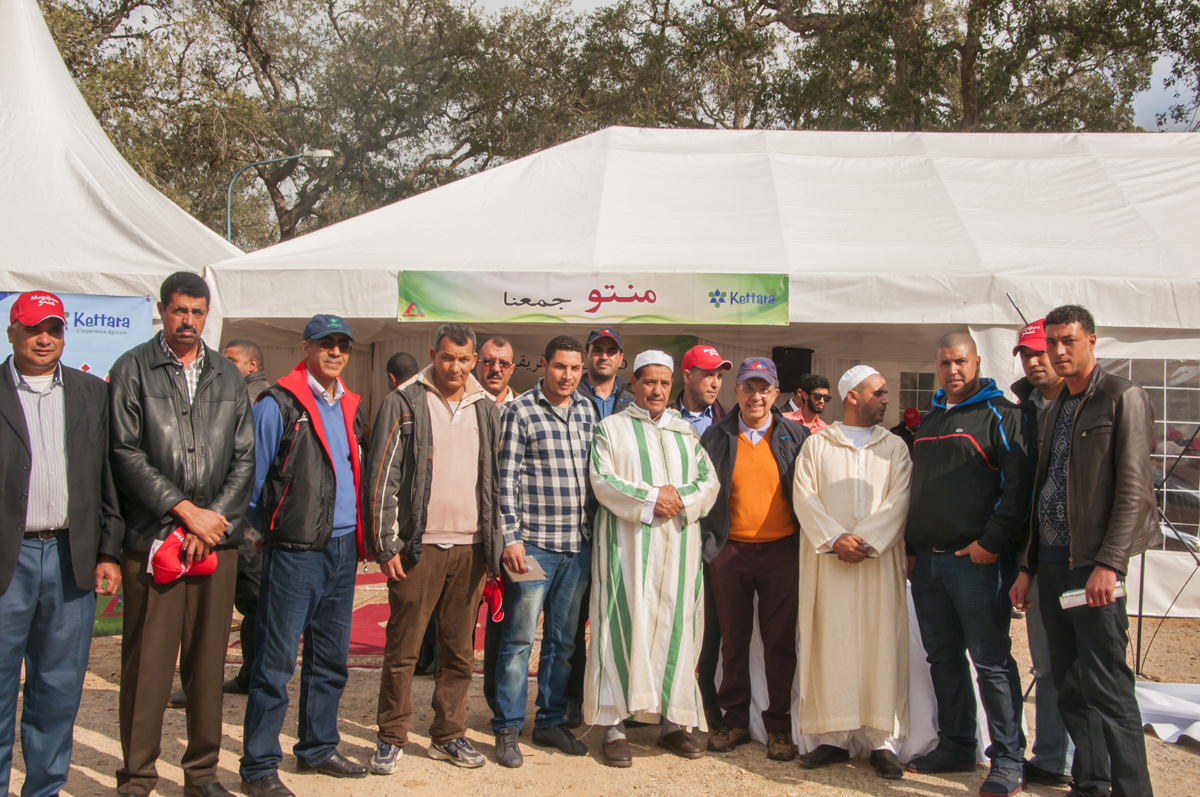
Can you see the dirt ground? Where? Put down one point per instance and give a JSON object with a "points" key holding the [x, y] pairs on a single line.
{"points": [[1175, 769]]}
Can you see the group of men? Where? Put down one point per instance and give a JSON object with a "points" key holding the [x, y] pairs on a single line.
{"points": [[672, 529]]}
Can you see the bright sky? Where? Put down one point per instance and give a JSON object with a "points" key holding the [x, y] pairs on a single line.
{"points": [[1146, 104]]}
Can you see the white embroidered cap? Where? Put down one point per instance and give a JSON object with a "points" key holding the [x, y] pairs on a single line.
{"points": [[853, 378]]}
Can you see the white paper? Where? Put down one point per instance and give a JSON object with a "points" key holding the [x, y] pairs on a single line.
{"points": [[154, 546], [1078, 597]]}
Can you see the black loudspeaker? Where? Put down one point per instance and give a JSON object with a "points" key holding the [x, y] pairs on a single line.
{"points": [[792, 363]]}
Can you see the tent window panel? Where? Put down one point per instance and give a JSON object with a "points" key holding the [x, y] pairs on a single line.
{"points": [[916, 390], [1115, 367], [1183, 406], [1183, 373], [1182, 507], [1149, 373], [1185, 476]]}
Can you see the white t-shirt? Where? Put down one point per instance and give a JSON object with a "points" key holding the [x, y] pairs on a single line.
{"points": [[859, 436]]}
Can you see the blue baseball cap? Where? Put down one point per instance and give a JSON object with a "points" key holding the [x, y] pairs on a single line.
{"points": [[758, 368], [606, 332], [323, 324]]}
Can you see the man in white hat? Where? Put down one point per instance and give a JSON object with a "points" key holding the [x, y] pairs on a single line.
{"points": [[654, 482], [851, 496]]}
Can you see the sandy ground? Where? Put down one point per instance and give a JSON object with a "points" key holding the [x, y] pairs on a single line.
{"points": [[1175, 769]]}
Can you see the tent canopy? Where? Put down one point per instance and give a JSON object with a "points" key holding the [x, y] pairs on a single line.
{"points": [[898, 228], [75, 216]]}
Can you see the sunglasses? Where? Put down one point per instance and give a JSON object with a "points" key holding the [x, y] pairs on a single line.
{"points": [[492, 362], [343, 344], [819, 396]]}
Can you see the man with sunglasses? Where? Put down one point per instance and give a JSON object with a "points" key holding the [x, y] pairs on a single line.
{"points": [[305, 504], [496, 368], [808, 402]]}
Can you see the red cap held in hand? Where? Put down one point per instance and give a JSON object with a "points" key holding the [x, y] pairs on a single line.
{"points": [[169, 565]]}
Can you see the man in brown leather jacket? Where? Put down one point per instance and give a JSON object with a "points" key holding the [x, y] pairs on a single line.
{"points": [[1093, 509]]}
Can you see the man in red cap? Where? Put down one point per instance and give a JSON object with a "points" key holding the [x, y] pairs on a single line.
{"points": [[1052, 747], [57, 495], [907, 426], [703, 370]]}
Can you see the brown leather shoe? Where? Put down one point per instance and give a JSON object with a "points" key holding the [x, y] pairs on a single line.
{"points": [[724, 738], [780, 747], [617, 753], [681, 744]]}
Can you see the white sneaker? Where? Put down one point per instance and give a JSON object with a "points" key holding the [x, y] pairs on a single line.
{"points": [[386, 758]]}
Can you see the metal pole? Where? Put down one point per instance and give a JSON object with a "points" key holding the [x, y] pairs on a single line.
{"points": [[229, 190], [1137, 657]]}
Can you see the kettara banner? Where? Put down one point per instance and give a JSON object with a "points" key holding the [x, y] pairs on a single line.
{"points": [[99, 328], [608, 298]]}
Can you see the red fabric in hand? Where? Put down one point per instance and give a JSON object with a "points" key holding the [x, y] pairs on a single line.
{"points": [[493, 596], [168, 565]]}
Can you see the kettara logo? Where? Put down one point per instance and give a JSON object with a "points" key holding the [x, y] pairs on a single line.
{"points": [[718, 298], [97, 321]]}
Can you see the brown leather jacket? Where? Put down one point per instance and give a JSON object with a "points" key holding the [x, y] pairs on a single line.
{"points": [[1110, 487]]}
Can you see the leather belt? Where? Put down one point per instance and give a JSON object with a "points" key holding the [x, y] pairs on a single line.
{"points": [[46, 535]]}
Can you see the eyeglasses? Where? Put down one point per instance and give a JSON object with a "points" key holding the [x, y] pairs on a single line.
{"points": [[503, 365], [819, 396], [747, 389], [343, 344]]}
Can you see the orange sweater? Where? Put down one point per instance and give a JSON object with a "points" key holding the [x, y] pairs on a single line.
{"points": [[758, 511]]}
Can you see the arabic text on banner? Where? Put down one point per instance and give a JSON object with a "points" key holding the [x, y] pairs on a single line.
{"points": [[605, 298], [99, 328]]}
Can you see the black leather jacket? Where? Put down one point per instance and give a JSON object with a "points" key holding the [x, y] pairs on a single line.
{"points": [[1110, 485], [165, 449]]}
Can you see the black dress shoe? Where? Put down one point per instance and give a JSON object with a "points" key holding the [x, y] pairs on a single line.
{"points": [[887, 765], [1044, 777], [235, 686], [559, 737], [267, 786], [823, 756], [177, 699], [337, 766], [213, 789]]}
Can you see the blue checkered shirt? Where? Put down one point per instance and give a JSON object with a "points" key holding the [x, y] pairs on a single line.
{"points": [[544, 472]]}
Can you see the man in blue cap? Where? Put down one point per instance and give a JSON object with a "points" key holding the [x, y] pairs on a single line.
{"points": [[305, 504]]}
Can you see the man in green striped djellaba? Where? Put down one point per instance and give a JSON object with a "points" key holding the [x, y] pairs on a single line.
{"points": [[654, 482]]}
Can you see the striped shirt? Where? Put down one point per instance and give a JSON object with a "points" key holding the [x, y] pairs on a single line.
{"points": [[544, 471], [190, 372], [46, 422]]}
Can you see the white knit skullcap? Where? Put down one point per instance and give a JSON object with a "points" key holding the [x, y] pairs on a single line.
{"points": [[652, 357], [853, 378]]}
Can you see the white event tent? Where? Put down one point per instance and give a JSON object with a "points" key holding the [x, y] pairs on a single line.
{"points": [[889, 241], [74, 215]]}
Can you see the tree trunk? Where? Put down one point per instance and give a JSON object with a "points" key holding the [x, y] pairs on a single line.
{"points": [[906, 38], [969, 57]]}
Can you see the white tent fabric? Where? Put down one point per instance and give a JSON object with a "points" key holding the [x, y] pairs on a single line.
{"points": [[74, 215], [897, 228]]}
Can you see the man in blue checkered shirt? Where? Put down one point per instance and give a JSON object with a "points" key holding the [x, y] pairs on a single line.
{"points": [[545, 441]]}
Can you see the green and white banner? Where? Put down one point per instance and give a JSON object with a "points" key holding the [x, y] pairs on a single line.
{"points": [[609, 298]]}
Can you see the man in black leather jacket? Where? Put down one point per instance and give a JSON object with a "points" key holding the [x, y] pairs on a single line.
{"points": [[181, 441], [1093, 510]]}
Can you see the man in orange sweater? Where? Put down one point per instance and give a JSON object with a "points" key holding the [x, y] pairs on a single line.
{"points": [[750, 545]]}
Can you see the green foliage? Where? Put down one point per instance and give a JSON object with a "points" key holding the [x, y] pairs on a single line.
{"points": [[413, 94]]}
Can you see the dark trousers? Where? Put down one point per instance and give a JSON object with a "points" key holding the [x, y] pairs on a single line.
{"points": [[46, 623], [710, 653], [1095, 687], [491, 651], [579, 657], [245, 600], [187, 619], [307, 594], [450, 582], [739, 572], [962, 606], [557, 598]]}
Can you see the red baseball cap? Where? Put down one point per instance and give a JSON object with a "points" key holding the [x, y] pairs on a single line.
{"points": [[34, 307], [705, 357], [1032, 337]]}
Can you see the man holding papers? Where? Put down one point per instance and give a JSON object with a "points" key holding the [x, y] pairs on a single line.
{"points": [[545, 440]]}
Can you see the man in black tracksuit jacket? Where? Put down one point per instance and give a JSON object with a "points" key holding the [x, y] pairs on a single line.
{"points": [[971, 482]]}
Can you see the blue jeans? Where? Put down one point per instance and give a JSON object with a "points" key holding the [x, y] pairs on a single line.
{"points": [[309, 593], [1052, 745], [560, 595], [962, 606], [45, 621]]}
